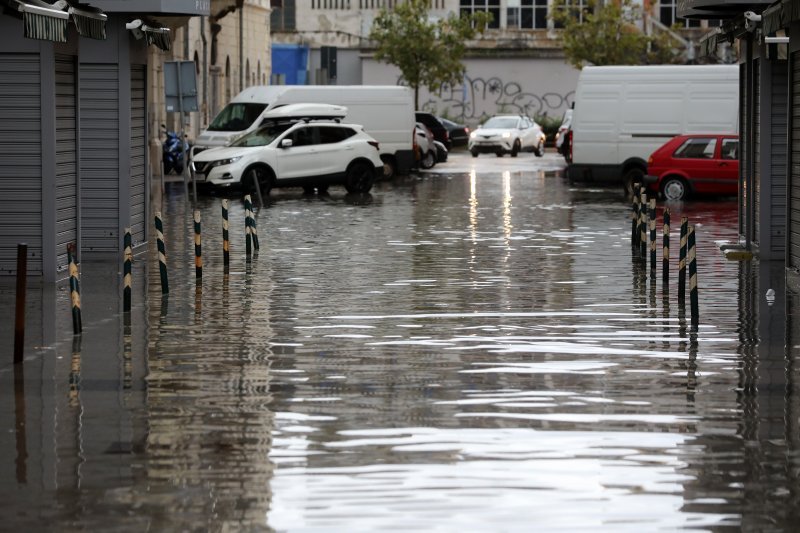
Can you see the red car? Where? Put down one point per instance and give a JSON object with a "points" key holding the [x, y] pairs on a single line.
{"points": [[689, 164]]}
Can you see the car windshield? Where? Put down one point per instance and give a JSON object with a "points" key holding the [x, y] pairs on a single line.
{"points": [[236, 117], [262, 136], [501, 122]]}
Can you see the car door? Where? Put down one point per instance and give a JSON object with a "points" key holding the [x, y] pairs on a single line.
{"points": [[335, 154], [697, 158], [529, 134], [302, 158], [728, 165]]}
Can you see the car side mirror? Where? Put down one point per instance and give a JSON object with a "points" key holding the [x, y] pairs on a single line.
{"points": [[286, 143]]}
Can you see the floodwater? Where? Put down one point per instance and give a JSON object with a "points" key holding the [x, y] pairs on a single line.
{"points": [[465, 350]]}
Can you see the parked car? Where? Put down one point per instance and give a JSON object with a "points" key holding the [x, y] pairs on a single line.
{"points": [[459, 133], [289, 150], [688, 164], [441, 152], [562, 137], [436, 127], [424, 146], [507, 134]]}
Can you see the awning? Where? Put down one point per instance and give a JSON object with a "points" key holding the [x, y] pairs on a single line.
{"points": [[708, 44], [158, 36], [778, 16], [44, 23], [90, 22]]}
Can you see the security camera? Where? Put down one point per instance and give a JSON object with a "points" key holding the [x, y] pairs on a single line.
{"points": [[751, 16]]}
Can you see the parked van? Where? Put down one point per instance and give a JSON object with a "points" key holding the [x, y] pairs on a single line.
{"points": [[386, 112], [622, 114]]}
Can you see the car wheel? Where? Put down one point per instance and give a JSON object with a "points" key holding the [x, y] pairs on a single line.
{"points": [[428, 160], [264, 178], [474, 153], [674, 188], [359, 178], [389, 167], [631, 178], [322, 189], [539, 151], [515, 150]]}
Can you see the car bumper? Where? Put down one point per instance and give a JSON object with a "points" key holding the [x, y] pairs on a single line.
{"points": [[490, 146], [224, 176]]}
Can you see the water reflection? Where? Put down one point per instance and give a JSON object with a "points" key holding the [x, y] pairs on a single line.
{"points": [[474, 351]]}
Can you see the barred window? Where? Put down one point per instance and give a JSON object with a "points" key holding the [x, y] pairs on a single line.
{"points": [[468, 7], [530, 14], [283, 18], [330, 4]]}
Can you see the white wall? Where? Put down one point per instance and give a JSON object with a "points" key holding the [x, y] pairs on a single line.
{"points": [[495, 85]]}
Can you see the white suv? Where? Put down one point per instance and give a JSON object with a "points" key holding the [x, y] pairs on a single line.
{"points": [[297, 145]]}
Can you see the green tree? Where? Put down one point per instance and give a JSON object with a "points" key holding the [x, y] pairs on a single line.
{"points": [[428, 53], [608, 35]]}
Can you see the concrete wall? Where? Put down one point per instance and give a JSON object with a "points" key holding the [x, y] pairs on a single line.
{"points": [[506, 85]]}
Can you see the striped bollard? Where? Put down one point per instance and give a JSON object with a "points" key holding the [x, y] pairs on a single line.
{"points": [[643, 225], [250, 220], [247, 229], [652, 215], [682, 260], [162, 254], [692, 258], [126, 272], [634, 215], [74, 289], [198, 252], [226, 256], [254, 229], [665, 252]]}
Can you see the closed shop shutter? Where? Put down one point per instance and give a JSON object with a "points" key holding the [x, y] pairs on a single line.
{"points": [[99, 145], [20, 161], [138, 151], [793, 253], [66, 159], [778, 160], [744, 148], [756, 148]]}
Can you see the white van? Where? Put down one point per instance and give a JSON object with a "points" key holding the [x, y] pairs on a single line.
{"points": [[385, 111], [623, 114]]}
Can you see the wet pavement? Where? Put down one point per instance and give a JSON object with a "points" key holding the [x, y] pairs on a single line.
{"points": [[469, 349]]}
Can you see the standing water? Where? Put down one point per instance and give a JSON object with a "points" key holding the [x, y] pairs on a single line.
{"points": [[474, 351]]}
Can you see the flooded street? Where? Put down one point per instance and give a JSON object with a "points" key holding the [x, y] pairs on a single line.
{"points": [[473, 348]]}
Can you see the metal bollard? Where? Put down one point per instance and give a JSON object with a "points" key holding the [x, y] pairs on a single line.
{"points": [[74, 289], [22, 289], [692, 258], [247, 229], [162, 254], [226, 256], [126, 271], [635, 215], [682, 260], [198, 251], [652, 215], [643, 225], [665, 251], [250, 220]]}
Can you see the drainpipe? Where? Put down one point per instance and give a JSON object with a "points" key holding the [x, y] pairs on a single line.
{"points": [[241, 49], [205, 69], [750, 118]]}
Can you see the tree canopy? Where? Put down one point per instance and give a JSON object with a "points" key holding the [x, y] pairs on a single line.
{"points": [[427, 52], [608, 35]]}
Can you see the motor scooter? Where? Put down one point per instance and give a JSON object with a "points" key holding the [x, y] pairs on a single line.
{"points": [[172, 151]]}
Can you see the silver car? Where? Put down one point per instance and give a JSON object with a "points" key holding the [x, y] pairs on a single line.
{"points": [[507, 134]]}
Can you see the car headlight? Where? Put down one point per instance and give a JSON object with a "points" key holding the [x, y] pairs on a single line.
{"points": [[223, 162], [506, 134], [472, 135]]}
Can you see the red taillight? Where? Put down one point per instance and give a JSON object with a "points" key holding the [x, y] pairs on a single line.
{"points": [[650, 160], [569, 139], [375, 144]]}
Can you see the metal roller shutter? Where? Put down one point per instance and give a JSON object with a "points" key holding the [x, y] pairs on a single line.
{"points": [[20, 161], [99, 145], [66, 159], [793, 253], [138, 154], [778, 141], [756, 149], [743, 148]]}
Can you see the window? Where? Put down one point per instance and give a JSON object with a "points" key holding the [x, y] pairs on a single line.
{"points": [[330, 4], [236, 117], [697, 148], [730, 149], [283, 18], [530, 14], [333, 134], [468, 7], [302, 137], [577, 8], [668, 16]]}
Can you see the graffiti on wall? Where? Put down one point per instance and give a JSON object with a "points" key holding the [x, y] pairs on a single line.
{"points": [[480, 98]]}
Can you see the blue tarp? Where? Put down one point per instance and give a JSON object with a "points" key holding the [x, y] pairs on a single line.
{"points": [[290, 60]]}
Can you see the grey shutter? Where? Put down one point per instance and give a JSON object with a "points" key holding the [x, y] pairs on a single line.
{"points": [[66, 159], [744, 146], [778, 161], [138, 151], [793, 253], [756, 193], [99, 157], [20, 161]]}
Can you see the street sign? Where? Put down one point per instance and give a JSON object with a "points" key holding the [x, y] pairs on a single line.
{"points": [[180, 86]]}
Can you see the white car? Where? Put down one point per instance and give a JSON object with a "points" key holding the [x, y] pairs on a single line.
{"points": [[424, 146], [288, 151], [507, 134]]}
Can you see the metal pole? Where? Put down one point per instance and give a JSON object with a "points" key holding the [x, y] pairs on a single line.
{"points": [[75, 289], [643, 226], [693, 296], [652, 237], [126, 270], [22, 287], [665, 252], [634, 215], [226, 256], [198, 252], [248, 235], [162, 254], [682, 260]]}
